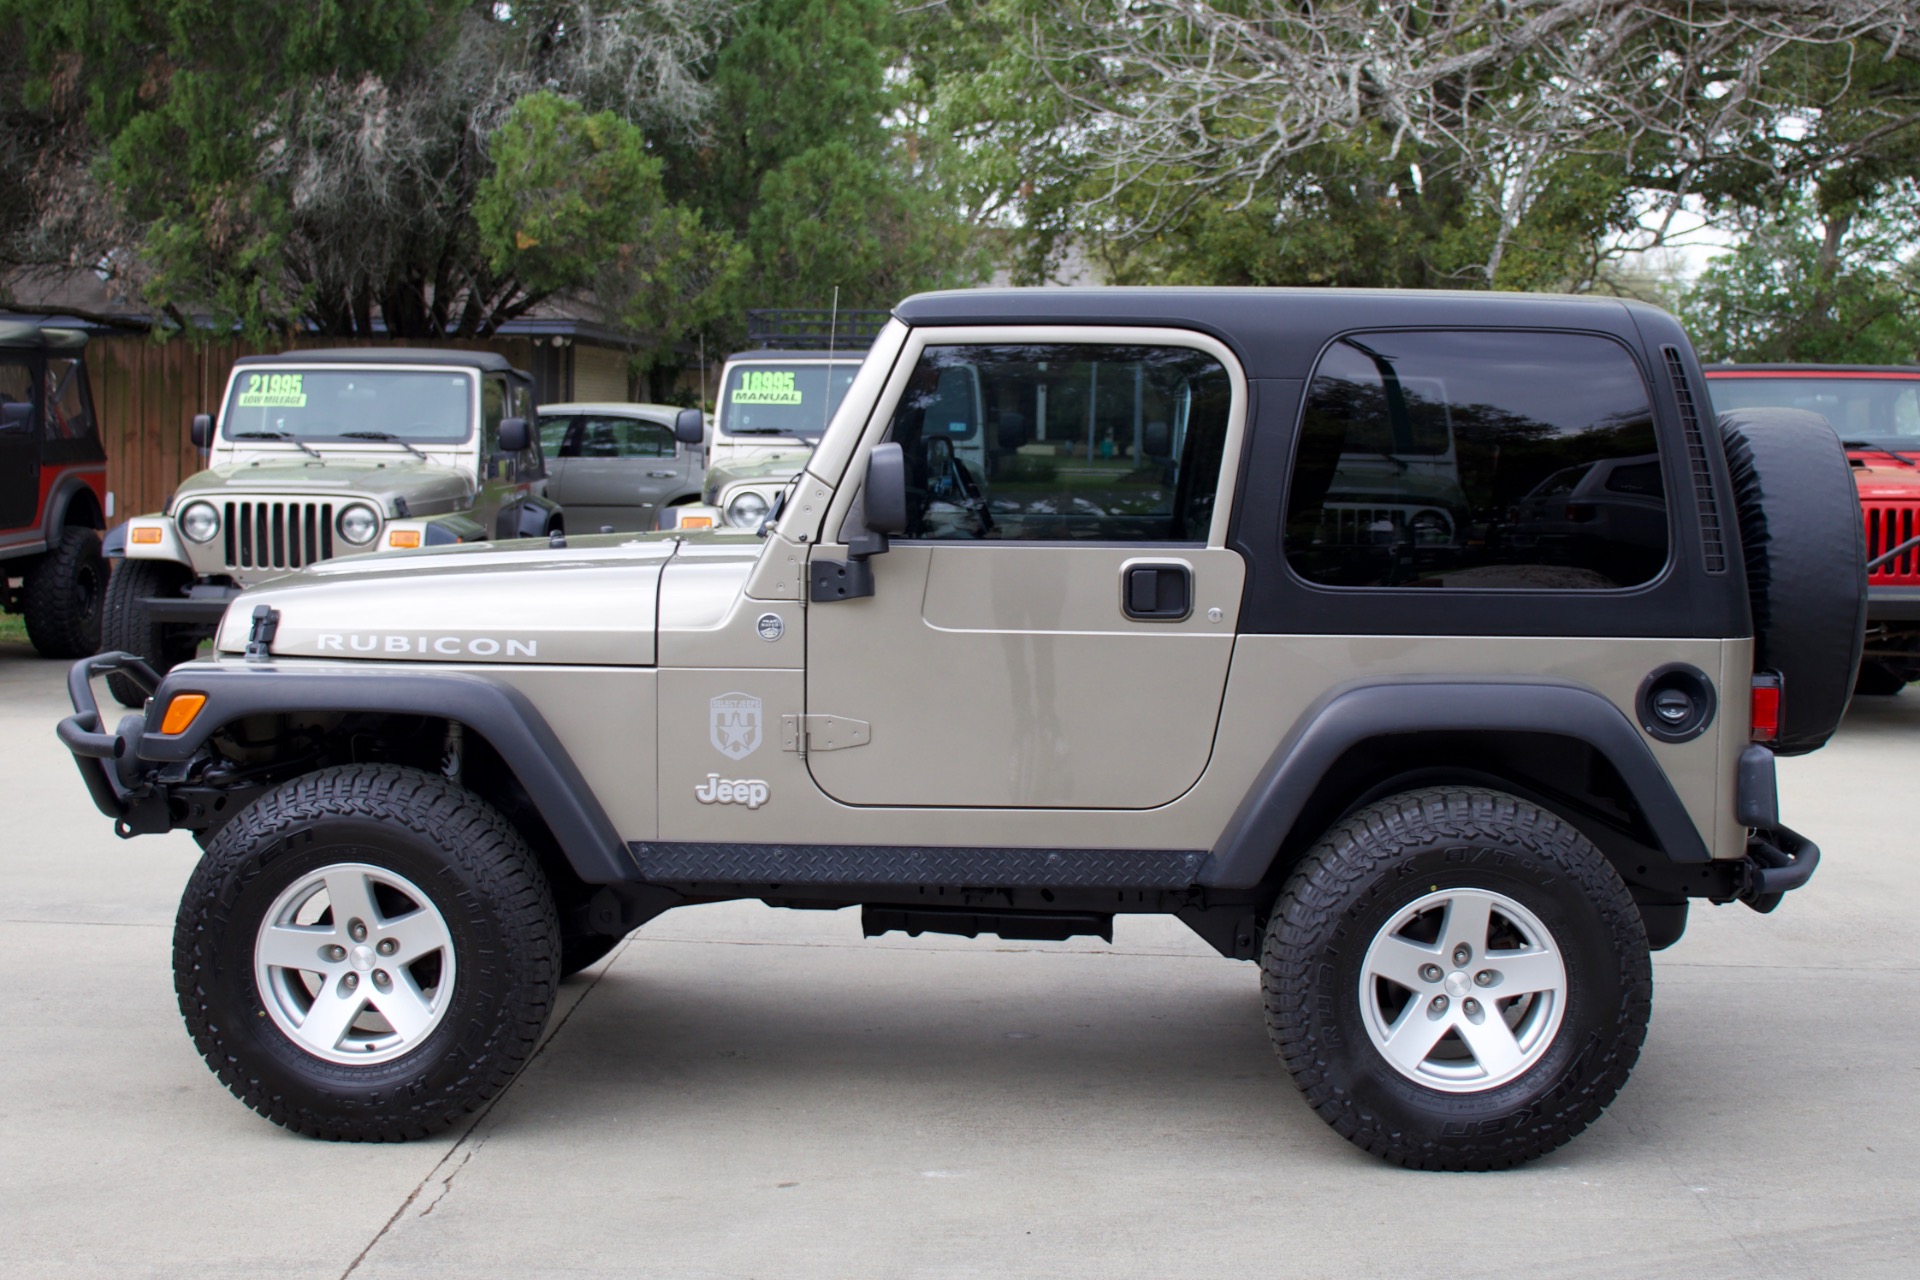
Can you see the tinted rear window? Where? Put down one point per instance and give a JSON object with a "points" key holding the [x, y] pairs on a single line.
{"points": [[1477, 460]]}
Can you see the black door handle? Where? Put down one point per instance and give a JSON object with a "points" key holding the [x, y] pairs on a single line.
{"points": [[1162, 592]]}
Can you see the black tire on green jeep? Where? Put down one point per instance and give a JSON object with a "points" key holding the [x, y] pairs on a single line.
{"points": [[64, 594], [127, 624], [1457, 979], [368, 953]]}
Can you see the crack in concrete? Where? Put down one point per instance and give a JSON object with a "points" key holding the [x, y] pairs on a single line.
{"points": [[468, 1143]]}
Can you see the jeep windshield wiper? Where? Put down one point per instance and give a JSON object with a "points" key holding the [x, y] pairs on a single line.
{"points": [[1871, 447], [388, 436], [288, 436]]}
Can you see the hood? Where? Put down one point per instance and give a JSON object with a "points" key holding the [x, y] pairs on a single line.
{"points": [[1887, 481], [722, 473], [382, 477], [592, 603]]}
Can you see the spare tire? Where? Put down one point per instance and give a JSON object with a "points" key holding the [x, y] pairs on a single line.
{"points": [[1806, 557]]}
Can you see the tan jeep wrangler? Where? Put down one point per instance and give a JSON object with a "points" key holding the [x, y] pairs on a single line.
{"points": [[318, 454], [1259, 608]]}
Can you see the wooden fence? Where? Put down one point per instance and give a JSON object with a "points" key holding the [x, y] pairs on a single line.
{"points": [[145, 394]]}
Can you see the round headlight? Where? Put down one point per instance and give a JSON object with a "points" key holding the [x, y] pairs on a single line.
{"points": [[199, 522], [747, 511], [358, 524]]}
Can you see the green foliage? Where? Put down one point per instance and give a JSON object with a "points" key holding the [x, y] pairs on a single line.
{"points": [[1800, 287], [814, 161]]}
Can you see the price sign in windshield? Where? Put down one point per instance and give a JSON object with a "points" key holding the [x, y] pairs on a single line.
{"points": [[766, 386], [274, 391]]}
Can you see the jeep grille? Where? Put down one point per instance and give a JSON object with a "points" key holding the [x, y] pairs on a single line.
{"points": [[278, 535], [1888, 526]]}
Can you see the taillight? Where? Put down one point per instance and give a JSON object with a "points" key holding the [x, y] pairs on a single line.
{"points": [[1766, 707]]}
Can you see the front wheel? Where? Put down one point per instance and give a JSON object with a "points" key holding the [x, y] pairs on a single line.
{"points": [[366, 953], [1457, 980]]}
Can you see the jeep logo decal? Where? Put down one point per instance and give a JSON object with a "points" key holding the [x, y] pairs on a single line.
{"points": [[751, 792], [734, 725]]}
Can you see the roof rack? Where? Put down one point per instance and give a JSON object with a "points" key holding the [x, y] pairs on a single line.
{"points": [[814, 328]]}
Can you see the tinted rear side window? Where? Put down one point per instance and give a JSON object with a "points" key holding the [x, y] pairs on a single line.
{"points": [[1477, 460]]}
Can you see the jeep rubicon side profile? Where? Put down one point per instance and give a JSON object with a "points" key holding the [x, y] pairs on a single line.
{"points": [[1447, 793], [320, 454], [53, 489]]}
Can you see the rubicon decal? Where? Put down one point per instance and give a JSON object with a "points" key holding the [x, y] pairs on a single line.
{"points": [[426, 646], [734, 725], [751, 792]]}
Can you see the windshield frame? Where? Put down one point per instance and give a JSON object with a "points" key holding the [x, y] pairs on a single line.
{"points": [[1861, 440], [234, 379], [722, 428]]}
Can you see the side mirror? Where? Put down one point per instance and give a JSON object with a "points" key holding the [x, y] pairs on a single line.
{"points": [[689, 427], [884, 502], [16, 415], [201, 432], [885, 495], [514, 436]]}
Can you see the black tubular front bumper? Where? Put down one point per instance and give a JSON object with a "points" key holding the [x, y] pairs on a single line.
{"points": [[135, 808]]}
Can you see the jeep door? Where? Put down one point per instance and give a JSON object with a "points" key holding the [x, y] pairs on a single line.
{"points": [[1054, 628], [19, 442]]}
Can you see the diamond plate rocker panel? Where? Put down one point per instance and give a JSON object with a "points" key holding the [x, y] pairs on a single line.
{"points": [[833, 864]]}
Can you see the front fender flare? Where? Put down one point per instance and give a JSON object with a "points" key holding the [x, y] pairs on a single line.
{"points": [[501, 714], [1242, 856]]}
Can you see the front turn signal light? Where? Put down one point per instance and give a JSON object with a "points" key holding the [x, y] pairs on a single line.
{"points": [[403, 539], [1766, 707], [181, 711], [145, 537], [696, 522]]}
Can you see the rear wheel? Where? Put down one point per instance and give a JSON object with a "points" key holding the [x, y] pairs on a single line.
{"points": [[63, 596], [1457, 980], [128, 623], [367, 953]]}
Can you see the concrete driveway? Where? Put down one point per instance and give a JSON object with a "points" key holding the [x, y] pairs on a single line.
{"points": [[738, 1092]]}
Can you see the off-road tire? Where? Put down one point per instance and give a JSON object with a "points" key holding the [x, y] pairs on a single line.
{"points": [[127, 624], [64, 595], [482, 878], [1351, 885]]}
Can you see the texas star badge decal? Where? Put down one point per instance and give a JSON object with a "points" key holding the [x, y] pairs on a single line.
{"points": [[735, 725]]}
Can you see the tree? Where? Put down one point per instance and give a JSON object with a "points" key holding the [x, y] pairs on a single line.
{"points": [[1465, 142], [315, 164], [1802, 286]]}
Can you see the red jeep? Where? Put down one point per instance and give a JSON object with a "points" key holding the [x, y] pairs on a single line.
{"points": [[1876, 410], [53, 490]]}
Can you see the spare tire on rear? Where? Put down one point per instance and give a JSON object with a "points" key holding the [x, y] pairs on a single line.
{"points": [[1806, 557]]}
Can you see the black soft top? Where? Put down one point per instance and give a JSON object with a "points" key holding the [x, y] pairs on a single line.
{"points": [[1277, 333], [485, 361], [39, 337]]}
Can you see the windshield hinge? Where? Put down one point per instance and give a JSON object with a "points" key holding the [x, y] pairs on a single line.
{"points": [[823, 733]]}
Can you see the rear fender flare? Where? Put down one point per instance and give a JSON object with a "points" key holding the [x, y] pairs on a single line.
{"points": [[499, 713], [1244, 854]]}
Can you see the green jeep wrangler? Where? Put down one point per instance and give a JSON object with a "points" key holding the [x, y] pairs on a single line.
{"points": [[1241, 606], [319, 454]]}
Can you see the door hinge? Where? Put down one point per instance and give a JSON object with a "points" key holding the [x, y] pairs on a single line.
{"points": [[823, 733]]}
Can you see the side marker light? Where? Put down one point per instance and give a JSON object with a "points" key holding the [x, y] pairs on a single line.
{"points": [[181, 711]]}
